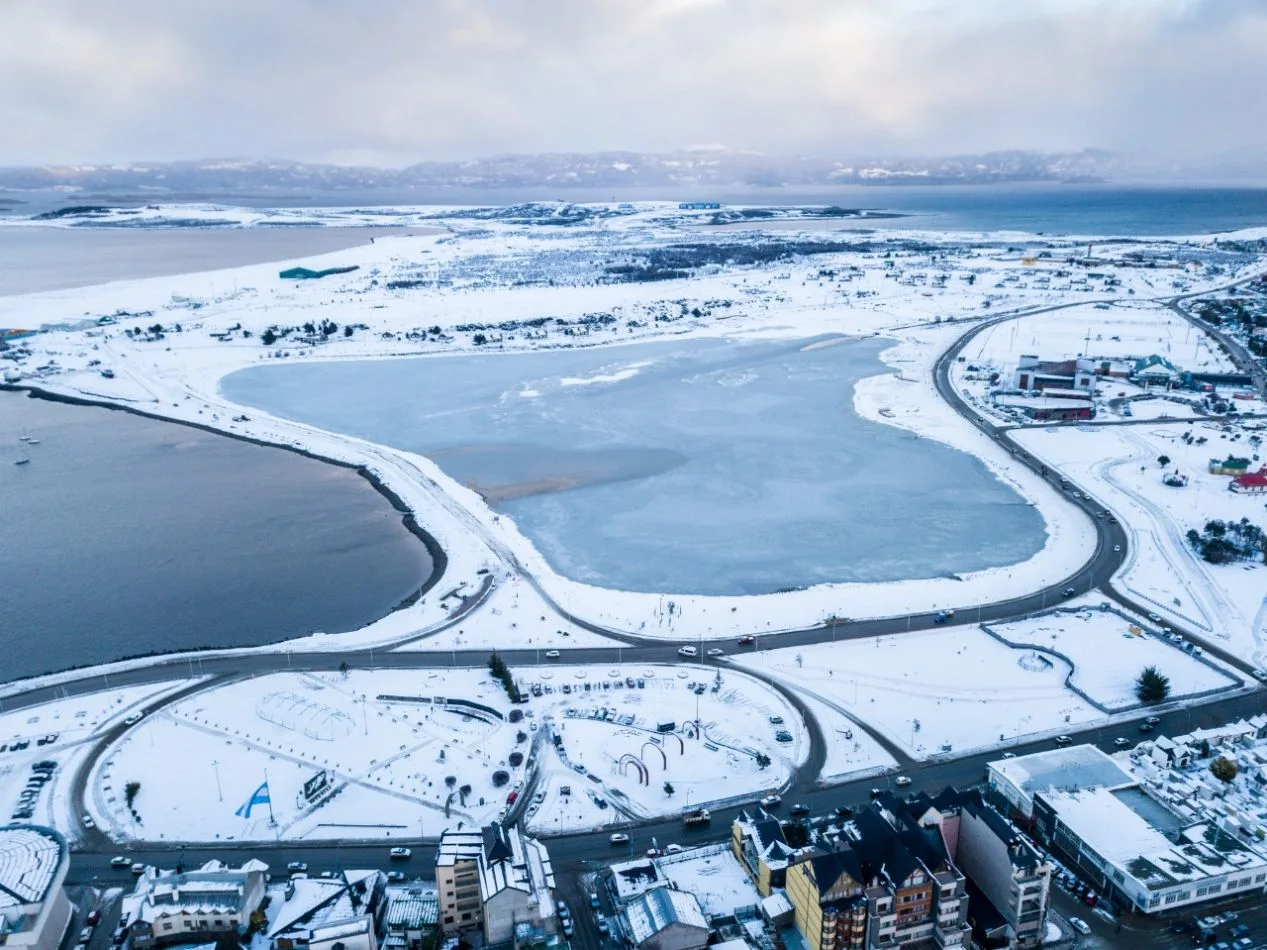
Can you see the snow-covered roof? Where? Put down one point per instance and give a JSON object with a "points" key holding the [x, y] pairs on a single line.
{"points": [[412, 909], [647, 915], [29, 861], [323, 902], [1078, 766]]}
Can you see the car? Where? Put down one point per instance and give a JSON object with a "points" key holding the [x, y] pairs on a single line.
{"points": [[1068, 592], [1155, 618], [119, 861], [747, 641], [1260, 675], [87, 821], [326, 875], [716, 651], [1090, 898], [138, 868], [1240, 930], [562, 908], [783, 736], [395, 876], [673, 849], [771, 801], [1080, 925], [578, 768], [1077, 494], [902, 781], [134, 718], [1145, 727], [1117, 548], [687, 651], [800, 809], [594, 901], [654, 853], [1009, 755], [604, 928], [776, 720], [299, 876], [844, 811], [1064, 740], [618, 837], [553, 654], [296, 866], [1242, 943], [877, 792], [94, 918], [1121, 742], [568, 928], [1153, 721]]}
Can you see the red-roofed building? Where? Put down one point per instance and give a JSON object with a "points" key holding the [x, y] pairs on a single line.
{"points": [[1251, 482]]}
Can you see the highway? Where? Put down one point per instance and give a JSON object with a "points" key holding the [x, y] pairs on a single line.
{"points": [[573, 852]]}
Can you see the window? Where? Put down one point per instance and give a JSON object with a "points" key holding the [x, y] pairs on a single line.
{"points": [[167, 925]]}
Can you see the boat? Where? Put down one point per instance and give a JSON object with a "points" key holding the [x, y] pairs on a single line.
{"points": [[24, 460], [30, 441]]}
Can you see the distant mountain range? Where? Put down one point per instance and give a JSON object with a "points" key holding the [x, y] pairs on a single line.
{"points": [[616, 171]]}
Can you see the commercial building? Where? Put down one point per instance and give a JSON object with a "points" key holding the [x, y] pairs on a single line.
{"points": [[758, 843], [1156, 371], [34, 910], [1251, 483], [496, 879], [1141, 853], [412, 917], [171, 907], [1033, 373], [1051, 406]]}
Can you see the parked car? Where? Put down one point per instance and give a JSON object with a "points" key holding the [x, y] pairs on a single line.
{"points": [[618, 837], [673, 849], [783, 736], [1080, 925], [93, 918], [776, 720], [595, 904]]}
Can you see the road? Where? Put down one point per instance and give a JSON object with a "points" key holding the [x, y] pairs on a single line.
{"points": [[577, 852]]}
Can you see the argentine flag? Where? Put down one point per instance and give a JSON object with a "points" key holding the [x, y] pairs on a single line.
{"points": [[260, 797]]}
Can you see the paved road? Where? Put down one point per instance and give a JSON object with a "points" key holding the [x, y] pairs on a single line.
{"points": [[576, 850]]}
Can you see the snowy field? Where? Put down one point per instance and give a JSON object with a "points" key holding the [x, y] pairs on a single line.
{"points": [[852, 752], [500, 282], [1119, 466], [388, 743], [71, 724], [942, 691], [1107, 655]]}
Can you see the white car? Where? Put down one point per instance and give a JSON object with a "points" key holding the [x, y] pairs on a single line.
{"points": [[1080, 925], [120, 862], [400, 853], [687, 651], [134, 718], [552, 654], [902, 781], [716, 651], [1116, 548], [673, 849], [619, 838]]}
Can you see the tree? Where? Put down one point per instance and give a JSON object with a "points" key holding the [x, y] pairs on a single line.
{"points": [[1163, 460], [1224, 769], [463, 792], [668, 789], [1152, 687], [763, 760], [130, 791], [268, 337], [347, 330]]}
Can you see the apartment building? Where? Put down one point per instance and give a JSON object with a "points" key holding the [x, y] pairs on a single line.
{"points": [[171, 907], [495, 879]]}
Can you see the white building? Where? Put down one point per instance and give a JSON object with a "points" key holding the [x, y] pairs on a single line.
{"points": [[495, 878], [34, 910], [170, 907], [665, 919]]}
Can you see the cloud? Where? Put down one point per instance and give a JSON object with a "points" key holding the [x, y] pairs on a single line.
{"points": [[397, 81]]}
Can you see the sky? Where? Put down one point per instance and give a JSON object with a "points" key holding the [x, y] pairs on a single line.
{"points": [[393, 82]]}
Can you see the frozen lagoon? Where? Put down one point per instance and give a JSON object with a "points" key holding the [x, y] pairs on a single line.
{"points": [[704, 466]]}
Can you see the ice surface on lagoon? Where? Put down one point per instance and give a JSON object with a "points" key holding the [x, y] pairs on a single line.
{"points": [[698, 466]]}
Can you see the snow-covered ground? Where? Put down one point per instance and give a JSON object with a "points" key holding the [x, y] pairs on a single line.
{"points": [[389, 740], [60, 732], [718, 881], [851, 751], [1119, 466], [1107, 654]]}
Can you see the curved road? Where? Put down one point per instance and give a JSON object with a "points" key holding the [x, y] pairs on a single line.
{"points": [[574, 850]]}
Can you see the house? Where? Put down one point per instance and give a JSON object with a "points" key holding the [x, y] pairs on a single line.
{"points": [[411, 918], [759, 845], [884, 883], [1156, 370], [665, 919], [1229, 466], [34, 909], [1050, 407], [1251, 483], [495, 878], [319, 913], [179, 907]]}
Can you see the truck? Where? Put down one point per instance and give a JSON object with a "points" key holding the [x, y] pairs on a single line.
{"points": [[696, 817]]}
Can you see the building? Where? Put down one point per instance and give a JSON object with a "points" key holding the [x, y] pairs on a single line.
{"points": [[884, 883], [1156, 371], [1141, 853], [172, 907], [495, 879], [1251, 483], [34, 910], [318, 913], [1229, 466], [665, 919], [1034, 374], [758, 844], [1054, 405], [1009, 882], [412, 917]]}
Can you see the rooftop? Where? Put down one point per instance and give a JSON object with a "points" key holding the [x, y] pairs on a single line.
{"points": [[647, 915], [29, 861], [1078, 766]]}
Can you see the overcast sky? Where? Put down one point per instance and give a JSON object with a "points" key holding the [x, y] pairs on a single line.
{"points": [[393, 82]]}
